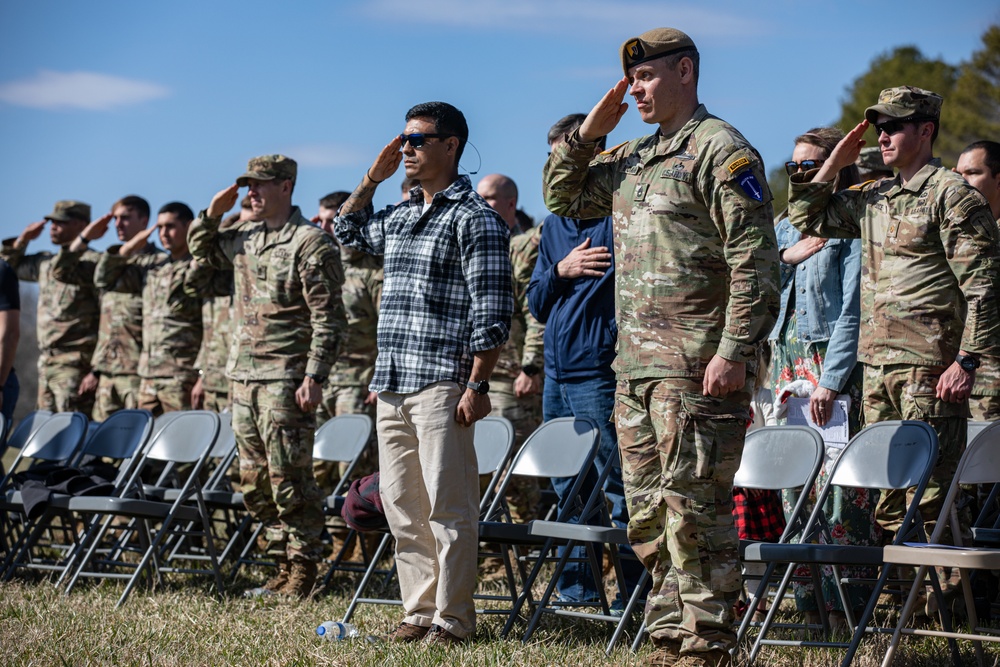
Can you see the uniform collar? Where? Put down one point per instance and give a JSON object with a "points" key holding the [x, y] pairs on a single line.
{"points": [[916, 183], [674, 143]]}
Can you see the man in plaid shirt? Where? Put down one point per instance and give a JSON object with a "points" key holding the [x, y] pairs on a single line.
{"points": [[446, 309]]}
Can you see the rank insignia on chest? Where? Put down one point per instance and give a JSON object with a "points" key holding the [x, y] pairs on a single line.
{"points": [[262, 272], [640, 192], [750, 186]]}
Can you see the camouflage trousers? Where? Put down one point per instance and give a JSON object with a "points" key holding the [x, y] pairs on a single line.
{"points": [[217, 401], [159, 395], [984, 404], [58, 385], [903, 391], [523, 493], [275, 440], [680, 451], [115, 392], [344, 400]]}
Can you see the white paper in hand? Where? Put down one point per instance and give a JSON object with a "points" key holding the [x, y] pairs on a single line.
{"points": [[835, 433]]}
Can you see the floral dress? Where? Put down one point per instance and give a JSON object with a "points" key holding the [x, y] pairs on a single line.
{"points": [[850, 512]]}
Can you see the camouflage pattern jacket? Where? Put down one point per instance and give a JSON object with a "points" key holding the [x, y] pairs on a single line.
{"points": [[68, 314], [524, 346], [119, 334], [696, 259], [217, 326], [171, 320], [362, 293], [289, 314], [929, 265]]}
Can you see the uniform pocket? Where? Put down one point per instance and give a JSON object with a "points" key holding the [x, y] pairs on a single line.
{"points": [[712, 432]]}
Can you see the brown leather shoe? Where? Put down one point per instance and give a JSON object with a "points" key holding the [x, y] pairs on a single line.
{"points": [[442, 637], [407, 632], [301, 579]]}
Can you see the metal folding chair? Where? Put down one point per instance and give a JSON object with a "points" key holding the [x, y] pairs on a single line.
{"points": [[886, 455], [188, 439], [119, 439], [980, 464]]}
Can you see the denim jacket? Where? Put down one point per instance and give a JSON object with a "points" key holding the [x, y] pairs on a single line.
{"points": [[827, 301]]}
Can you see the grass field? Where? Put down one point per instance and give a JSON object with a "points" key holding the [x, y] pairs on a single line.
{"points": [[184, 624]]}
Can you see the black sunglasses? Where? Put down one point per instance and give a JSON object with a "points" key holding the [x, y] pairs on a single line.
{"points": [[891, 127], [792, 167], [417, 140]]}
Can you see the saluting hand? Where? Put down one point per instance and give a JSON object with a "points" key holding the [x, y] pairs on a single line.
{"points": [[30, 233], [223, 201], [605, 116], [137, 242], [845, 153], [387, 162], [97, 228]]}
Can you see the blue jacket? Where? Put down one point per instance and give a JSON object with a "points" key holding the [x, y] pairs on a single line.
{"points": [[827, 301], [579, 315]]}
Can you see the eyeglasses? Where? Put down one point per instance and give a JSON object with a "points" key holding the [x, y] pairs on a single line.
{"points": [[792, 167], [417, 140], [893, 126]]}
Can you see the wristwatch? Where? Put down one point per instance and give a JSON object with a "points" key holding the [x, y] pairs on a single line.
{"points": [[968, 362], [319, 379], [531, 370], [478, 387]]}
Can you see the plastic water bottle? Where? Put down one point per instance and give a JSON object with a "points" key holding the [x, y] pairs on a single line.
{"points": [[335, 631]]}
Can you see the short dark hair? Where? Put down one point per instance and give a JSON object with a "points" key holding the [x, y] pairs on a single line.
{"points": [[695, 57], [334, 200], [134, 202], [991, 149], [447, 120], [567, 124], [180, 209], [523, 219]]}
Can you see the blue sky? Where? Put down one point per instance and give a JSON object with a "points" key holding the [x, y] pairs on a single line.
{"points": [[168, 100]]}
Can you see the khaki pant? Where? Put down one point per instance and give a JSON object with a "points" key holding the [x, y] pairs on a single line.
{"points": [[160, 395], [430, 491]]}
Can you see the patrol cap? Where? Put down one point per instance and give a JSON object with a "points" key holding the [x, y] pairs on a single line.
{"points": [[905, 101], [67, 210], [269, 168], [871, 159], [652, 44]]}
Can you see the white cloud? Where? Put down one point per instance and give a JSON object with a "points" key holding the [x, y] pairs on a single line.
{"points": [[79, 90], [582, 17], [324, 155]]}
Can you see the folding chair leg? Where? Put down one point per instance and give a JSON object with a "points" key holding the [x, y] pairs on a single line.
{"points": [[633, 600], [369, 573]]}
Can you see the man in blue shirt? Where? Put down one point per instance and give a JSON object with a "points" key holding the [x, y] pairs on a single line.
{"points": [[572, 293]]}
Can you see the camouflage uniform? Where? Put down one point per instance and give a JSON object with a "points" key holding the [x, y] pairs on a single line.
{"points": [[346, 389], [67, 324], [288, 321], [928, 290], [171, 322], [119, 336], [696, 268], [523, 349], [217, 336], [984, 403]]}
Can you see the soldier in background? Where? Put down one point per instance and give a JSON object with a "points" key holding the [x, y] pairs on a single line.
{"points": [[696, 277], [930, 247], [171, 320], [68, 314], [288, 326], [516, 385], [115, 374], [979, 165], [212, 390]]}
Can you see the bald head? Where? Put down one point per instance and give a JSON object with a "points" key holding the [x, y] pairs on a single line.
{"points": [[500, 192]]}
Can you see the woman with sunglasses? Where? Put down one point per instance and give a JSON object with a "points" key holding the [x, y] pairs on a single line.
{"points": [[815, 338]]}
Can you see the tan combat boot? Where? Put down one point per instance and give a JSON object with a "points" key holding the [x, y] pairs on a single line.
{"points": [[301, 579], [274, 584]]}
